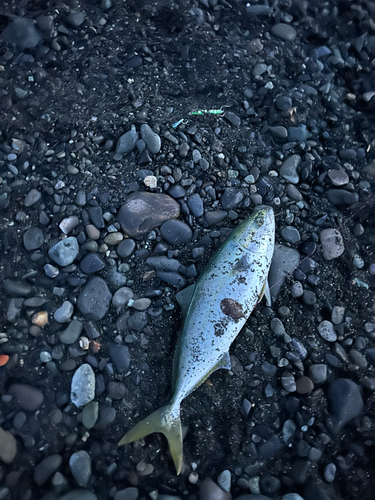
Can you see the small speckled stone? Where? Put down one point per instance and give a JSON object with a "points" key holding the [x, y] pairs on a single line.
{"points": [[83, 386], [327, 331], [332, 243]]}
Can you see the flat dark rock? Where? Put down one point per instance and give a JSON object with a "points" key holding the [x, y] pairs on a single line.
{"points": [[94, 300], [144, 211]]}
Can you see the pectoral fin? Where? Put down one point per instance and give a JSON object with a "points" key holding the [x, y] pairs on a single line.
{"points": [[184, 298]]}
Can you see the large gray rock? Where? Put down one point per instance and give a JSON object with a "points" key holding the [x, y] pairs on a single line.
{"points": [[144, 211]]}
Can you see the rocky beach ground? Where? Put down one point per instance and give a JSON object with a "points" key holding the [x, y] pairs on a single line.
{"points": [[113, 198]]}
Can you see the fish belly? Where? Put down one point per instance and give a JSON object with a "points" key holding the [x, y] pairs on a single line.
{"points": [[224, 298]]}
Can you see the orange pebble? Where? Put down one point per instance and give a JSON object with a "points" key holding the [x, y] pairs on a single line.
{"points": [[4, 358]]}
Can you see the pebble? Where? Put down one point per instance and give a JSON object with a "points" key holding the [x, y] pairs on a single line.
{"points": [[127, 141], [122, 296], [341, 197], [338, 177], [224, 480], [290, 234], [288, 169], [32, 197], [116, 390], [79, 495], [318, 373], [300, 469], [277, 327], [16, 289], [80, 467], [143, 211], [92, 232], [271, 447], [92, 263], [270, 484], [332, 243], [33, 238], [215, 217], [141, 304], [8, 446], [126, 248], [231, 198], [344, 400], [67, 225], [284, 32], [137, 321], [93, 301], [113, 239], [195, 205], [176, 232], [209, 490], [83, 386], [72, 332], [65, 251], [64, 312], [163, 263], [90, 414], [330, 472], [151, 138], [289, 428], [28, 398], [288, 382], [127, 494], [327, 331], [304, 385], [174, 279], [48, 466], [75, 19], [120, 357], [337, 315], [23, 33], [233, 118]]}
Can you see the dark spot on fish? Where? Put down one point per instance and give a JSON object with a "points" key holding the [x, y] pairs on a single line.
{"points": [[232, 308], [219, 329]]}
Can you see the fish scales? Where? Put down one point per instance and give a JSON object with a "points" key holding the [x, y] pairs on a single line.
{"points": [[224, 296]]}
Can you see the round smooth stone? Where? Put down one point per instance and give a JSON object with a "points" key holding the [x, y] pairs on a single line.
{"points": [[176, 232], [33, 238]]}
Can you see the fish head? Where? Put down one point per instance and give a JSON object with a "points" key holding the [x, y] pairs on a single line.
{"points": [[257, 234]]}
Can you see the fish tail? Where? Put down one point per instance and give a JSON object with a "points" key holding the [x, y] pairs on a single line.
{"points": [[166, 420]]}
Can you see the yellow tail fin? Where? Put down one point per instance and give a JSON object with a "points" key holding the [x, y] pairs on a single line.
{"points": [[165, 420]]}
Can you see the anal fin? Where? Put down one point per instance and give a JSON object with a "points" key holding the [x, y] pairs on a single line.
{"points": [[224, 362], [266, 293]]}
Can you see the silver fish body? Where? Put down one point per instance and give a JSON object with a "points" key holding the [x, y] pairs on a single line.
{"points": [[224, 296]]}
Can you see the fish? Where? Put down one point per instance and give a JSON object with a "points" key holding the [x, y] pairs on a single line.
{"points": [[222, 299]]}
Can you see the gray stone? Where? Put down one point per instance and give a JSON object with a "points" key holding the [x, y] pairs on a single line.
{"points": [[72, 332], [90, 414], [64, 312], [318, 373], [284, 32], [288, 169], [8, 447], [65, 251], [33, 238], [143, 211], [122, 296], [290, 234], [17, 289], [127, 141], [120, 357], [93, 302], [195, 205], [48, 466], [344, 400], [151, 138], [83, 386], [176, 232], [32, 197], [80, 467], [126, 248], [332, 243], [92, 263], [22, 32], [28, 397], [231, 198], [327, 331], [209, 490]]}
